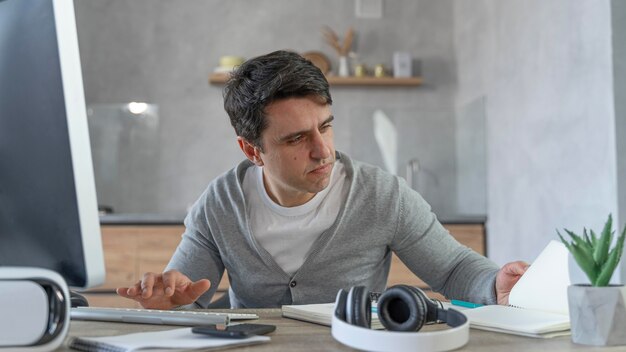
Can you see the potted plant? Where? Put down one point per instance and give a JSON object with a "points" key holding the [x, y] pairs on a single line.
{"points": [[598, 310]]}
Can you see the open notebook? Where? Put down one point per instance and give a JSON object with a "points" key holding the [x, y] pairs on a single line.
{"points": [[319, 314], [538, 300]]}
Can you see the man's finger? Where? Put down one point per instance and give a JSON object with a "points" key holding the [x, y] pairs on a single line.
{"points": [[123, 291], [170, 279], [135, 290], [517, 268], [196, 289], [146, 285]]}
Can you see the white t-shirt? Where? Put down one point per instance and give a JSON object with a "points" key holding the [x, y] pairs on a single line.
{"points": [[287, 233]]}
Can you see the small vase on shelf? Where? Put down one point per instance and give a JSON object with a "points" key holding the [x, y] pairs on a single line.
{"points": [[344, 69]]}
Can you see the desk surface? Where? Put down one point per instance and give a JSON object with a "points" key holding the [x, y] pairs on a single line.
{"points": [[293, 335]]}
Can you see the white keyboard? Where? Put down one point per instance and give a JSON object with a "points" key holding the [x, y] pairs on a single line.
{"points": [[154, 316]]}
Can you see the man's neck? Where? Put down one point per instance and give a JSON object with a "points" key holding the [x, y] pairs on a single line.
{"points": [[286, 198]]}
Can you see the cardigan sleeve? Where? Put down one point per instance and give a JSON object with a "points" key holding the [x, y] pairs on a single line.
{"points": [[430, 252], [197, 255]]}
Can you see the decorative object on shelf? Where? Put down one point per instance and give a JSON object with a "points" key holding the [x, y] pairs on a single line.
{"points": [[360, 70], [379, 71], [597, 311], [342, 49], [319, 60], [344, 67], [402, 64], [228, 63]]}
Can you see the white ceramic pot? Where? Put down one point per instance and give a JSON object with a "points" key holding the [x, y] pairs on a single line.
{"points": [[598, 314], [344, 68]]}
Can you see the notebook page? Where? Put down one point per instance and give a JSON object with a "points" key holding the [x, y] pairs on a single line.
{"points": [[544, 285], [516, 320], [321, 313]]}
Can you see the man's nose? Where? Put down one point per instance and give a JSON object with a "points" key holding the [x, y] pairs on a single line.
{"points": [[320, 147]]}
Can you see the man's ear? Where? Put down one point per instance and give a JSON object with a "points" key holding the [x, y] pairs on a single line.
{"points": [[252, 152]]}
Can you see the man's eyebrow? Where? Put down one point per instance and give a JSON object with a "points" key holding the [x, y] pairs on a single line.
{"points": [[291, 135], [328, 120]]}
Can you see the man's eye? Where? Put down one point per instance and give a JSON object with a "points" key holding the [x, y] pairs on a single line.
{"points": [[325, 127], [295, 139]]}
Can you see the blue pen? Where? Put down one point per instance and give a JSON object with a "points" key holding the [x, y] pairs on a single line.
{"points": [[465, 304]]}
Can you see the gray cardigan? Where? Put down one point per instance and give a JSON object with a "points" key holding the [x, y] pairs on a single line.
{"points": [[381, 215]]}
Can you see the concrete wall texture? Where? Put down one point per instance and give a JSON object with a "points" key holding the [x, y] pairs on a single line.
{"points": [[542, 78], [546, 70], [162, 52], [618, 21]]}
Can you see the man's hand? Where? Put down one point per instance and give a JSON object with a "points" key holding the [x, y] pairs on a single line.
{"points": [[506, 278], [165, 291]]}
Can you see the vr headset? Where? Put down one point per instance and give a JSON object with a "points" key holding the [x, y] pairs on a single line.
{"points": [[34, 309]]}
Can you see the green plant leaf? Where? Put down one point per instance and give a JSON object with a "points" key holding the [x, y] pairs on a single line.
{"points": [[585, 262], [594, 254], [606, 272], [619, 245], [567, 245], [586, 237], [581, 243], [594, 238], [582, 255], [607, 269], [601, 251]]}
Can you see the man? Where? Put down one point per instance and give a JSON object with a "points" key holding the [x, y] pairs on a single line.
{"points": [[297, 221]]}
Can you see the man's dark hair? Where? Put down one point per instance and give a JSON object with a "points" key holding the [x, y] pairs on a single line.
{"points": [[264, 79]]}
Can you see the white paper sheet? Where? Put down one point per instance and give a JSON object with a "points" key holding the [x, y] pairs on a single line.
{"points": [[544, 285], [517, 320]]}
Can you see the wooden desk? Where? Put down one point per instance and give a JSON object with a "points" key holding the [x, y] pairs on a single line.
{"points": [[293, 335]]}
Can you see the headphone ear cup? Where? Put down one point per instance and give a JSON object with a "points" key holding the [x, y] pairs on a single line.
{"points": [[403, 308], [431, 306], [359, 307], [340, 304]]}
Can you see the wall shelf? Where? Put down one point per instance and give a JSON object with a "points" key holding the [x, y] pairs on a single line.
{"points": [[221, 78]]}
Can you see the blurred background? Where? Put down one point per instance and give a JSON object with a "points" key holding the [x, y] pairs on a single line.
{"points": [[517, 123]]}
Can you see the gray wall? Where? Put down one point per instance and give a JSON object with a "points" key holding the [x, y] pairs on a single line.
{"points": [[618, 13], [539, 76], [545, 68], [162, 52]]}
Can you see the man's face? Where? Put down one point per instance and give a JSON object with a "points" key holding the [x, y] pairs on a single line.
{"points": [[298, 151]]}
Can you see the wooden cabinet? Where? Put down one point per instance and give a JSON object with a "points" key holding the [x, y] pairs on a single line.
{"points": [[132, 250], [470, 235], [129, 252]]}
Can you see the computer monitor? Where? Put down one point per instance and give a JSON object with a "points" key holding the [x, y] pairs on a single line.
{"points": [[48, 206]]}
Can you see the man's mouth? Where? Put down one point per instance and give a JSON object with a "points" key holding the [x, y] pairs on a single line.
{"points": [[322, 169]]}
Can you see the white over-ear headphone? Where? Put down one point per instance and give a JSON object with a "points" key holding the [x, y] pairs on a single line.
{"points": [[403, 310]]}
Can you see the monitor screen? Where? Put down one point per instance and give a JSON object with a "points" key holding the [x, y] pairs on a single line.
{"points": [[48, 207]]}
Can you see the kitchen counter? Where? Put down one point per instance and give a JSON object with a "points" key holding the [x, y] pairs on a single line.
{"points": [[142, 219], [463, 219], [177, 219]]}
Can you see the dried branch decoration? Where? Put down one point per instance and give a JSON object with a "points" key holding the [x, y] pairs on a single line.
{"points": [[331, 38]]}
